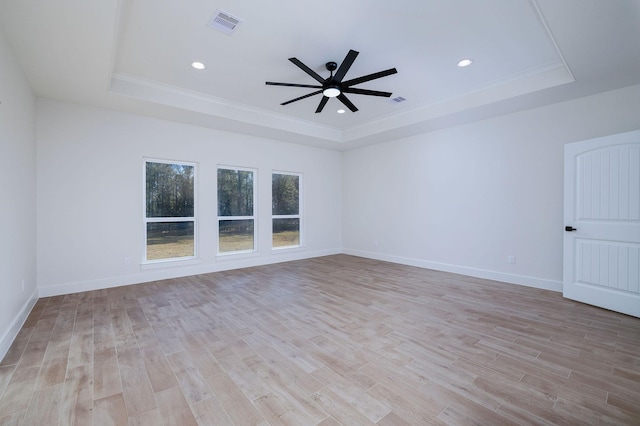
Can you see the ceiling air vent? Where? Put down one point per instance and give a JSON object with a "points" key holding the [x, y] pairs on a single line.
{"points": [[225, 22], [398, 100]]}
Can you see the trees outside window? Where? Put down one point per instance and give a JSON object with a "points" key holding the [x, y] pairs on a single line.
{"points": [[236, 213], [170, 222], [170, 219], [285, 210]]}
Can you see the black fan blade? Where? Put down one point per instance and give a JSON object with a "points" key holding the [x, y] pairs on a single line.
{"points": [[322, 103], [273, 83], [369, 77], [301, 97], [365, 92], [345, 65], [347, 102], [308, 70]]}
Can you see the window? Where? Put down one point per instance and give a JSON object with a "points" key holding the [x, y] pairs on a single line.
{"points": [[236, 213], [170, 223], [285, 210]]}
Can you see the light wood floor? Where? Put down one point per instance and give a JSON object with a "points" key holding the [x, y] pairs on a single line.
{"points": [[337, 340]]}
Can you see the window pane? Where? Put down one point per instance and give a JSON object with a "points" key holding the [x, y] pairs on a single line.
{"points": [[286, 232], [235, 235], [235, 192], [169, 190], [285, 194], [166, 240]]}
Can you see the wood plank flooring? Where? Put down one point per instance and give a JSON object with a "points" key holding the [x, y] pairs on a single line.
{"points": [[337, 340]]}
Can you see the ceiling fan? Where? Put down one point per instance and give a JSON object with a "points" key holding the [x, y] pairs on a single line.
{"points": [[334, 87]]}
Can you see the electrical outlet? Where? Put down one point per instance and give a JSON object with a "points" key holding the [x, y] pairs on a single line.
{"points": [[511, 259], [126, 261]]}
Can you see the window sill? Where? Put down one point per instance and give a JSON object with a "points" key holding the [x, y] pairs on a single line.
{"points": [[237, 255], [286, 248], [169, 263]]}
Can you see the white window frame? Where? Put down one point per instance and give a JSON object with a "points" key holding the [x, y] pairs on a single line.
{"points": [[147, 220], [254, 217], [289, 216]]}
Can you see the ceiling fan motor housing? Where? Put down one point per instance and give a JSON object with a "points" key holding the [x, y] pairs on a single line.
{"points": [[330, 87]]}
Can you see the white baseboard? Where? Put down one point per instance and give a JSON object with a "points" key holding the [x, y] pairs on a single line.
{"points": [[249, 261], [528, 281], [244, 262], [14, 328], [168, 271]]}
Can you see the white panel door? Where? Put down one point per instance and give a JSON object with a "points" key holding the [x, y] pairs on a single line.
{"points": [[602, 222]]}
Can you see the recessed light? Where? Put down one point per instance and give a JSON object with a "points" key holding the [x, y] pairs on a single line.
{"points": [[341, 111], [464, 63], [198, 65]]}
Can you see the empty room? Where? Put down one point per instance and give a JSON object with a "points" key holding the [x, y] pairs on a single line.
{"points": [[320, 213]]}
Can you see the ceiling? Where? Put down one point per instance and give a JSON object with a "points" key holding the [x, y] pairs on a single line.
{"points": [[135, 56]]}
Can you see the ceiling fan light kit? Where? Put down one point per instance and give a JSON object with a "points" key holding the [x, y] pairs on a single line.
{"points": [[333, 86], [331, 91]]}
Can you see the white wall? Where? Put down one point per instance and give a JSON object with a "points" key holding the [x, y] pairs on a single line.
{"points": [[90, 194], [18, 195], [459, 199], [463, 199]]}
